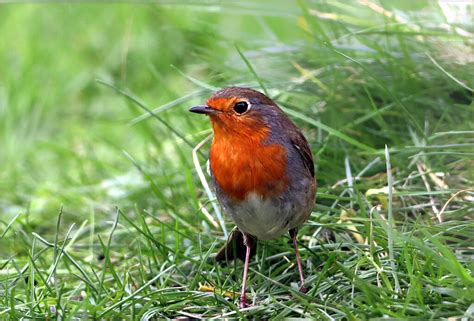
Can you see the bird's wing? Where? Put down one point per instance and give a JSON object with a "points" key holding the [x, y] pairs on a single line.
{"points": [[302, 146]]}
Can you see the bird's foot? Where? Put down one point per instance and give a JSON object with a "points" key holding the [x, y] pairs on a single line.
{"points": [[243, 303], [303, 289]]}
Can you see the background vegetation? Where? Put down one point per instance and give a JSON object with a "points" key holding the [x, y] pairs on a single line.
{"points": [[102, 214]]}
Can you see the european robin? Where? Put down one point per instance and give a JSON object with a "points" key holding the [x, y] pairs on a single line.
{"points": [[262, 169]]}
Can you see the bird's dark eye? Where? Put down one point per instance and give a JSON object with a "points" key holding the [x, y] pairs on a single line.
{"points": [[241, 107]]}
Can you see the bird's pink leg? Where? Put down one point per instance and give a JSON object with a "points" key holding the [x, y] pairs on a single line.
{"points": [[243, 298], [293, 234]]}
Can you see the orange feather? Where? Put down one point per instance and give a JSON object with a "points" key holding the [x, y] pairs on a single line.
{"points": [[244, 165]]}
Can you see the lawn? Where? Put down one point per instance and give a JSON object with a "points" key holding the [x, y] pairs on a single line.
{"points": [[103, 214]]}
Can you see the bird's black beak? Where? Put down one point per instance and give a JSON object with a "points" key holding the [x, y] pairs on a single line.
{"points": [[202, 110]]}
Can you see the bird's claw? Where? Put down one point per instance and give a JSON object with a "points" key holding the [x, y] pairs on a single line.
{"points": [[243, 303]]}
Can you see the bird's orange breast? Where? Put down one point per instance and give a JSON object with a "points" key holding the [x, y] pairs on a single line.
{"points": [[243, 164]]}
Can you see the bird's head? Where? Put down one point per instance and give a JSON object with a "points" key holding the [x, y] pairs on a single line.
{"points": [[238, 111]]}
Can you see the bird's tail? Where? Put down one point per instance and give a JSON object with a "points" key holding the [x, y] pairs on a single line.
{"points": [[235, 247]]}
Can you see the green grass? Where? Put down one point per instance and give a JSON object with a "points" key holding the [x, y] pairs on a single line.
{"points": [[102, 213]]}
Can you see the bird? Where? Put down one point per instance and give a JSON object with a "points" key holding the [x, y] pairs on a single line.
{"points": [[262, 170]]}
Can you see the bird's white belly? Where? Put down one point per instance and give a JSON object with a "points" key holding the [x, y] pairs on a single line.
{"points": [[264, 218]]}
